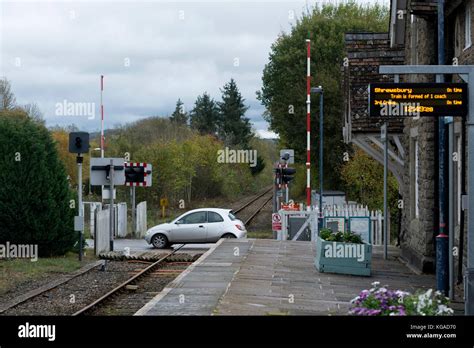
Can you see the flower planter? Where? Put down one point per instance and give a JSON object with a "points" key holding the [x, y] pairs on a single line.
{"points": [[343, 258]]}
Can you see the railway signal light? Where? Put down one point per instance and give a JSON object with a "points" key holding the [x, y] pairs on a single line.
{"points": [[138, 174], [78, 142], [287, 174], [284, 175], [134, 174]]}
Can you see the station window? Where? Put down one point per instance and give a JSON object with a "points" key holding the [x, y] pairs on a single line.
{"points": [[413, 40], [417, 182], [467, 27], [414, 178]]}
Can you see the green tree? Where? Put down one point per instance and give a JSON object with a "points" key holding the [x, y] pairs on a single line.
{"points": [[34, 191], [205, 115], [284, 79], [362, 179], [179, 115], [234, 128]]}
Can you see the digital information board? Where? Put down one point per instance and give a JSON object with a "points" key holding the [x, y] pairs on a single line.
{"points": [[417, 99]]}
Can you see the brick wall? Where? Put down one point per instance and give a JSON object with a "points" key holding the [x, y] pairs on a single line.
{"points": [[365, 53], [417, 233]]}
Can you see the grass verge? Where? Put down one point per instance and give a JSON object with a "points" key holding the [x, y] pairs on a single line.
{"points": [[260, 234], [17, 271]]}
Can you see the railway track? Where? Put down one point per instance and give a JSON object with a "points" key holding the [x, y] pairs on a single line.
{"points": [[135, 292], [83, 291], [249, 210]]}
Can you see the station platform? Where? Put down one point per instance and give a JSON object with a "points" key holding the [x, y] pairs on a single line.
{"points": [[269, 277]]}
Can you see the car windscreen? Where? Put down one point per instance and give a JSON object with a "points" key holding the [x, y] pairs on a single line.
{"points": [[232, 216]]}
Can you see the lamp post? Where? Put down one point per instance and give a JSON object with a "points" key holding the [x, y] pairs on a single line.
{"points": [[319, 90]]}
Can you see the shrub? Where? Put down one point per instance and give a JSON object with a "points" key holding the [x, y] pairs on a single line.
{"points": [[346, 237], [34, 191]]}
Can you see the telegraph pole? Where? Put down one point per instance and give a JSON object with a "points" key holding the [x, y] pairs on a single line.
{"points": [[308, 124], [101, 116]]}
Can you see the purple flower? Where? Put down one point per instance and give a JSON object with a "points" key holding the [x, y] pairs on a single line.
{"points": [[373, 312]]}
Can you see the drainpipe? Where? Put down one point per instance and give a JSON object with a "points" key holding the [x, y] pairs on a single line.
{"points": [[463, 189], [442, 269]]}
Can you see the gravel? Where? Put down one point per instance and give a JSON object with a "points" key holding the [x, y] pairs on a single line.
{"points": [[78, 292], [130, 301]]}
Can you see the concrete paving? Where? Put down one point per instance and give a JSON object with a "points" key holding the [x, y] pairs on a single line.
{"points": [[197, 290], [268, 277]]}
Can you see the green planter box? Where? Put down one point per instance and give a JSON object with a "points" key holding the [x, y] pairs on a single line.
{"points": [[344, 258]]}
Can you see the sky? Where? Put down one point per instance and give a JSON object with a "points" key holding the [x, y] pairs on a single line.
{"points": [[151, 52]]}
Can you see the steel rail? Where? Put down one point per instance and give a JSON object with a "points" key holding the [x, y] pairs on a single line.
{"points": [[251, 201], [255, 213], [122, 286]]}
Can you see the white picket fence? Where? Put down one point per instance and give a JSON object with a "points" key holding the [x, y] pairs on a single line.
{"points": [[141, 220], [102, 231], [89, 214], [347, 211]]}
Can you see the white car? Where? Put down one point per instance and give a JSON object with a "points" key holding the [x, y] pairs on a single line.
{"points": [[206, 225]]}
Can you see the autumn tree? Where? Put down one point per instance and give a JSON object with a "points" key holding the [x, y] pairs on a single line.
{"points": [[362, 179], [61, 138], [284, 79], [7, 98]]}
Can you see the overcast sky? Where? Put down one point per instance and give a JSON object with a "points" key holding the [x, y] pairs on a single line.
{"points": [[150, 52]]}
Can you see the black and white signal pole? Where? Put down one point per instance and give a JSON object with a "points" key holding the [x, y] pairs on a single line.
{"points": [[79, 159]]}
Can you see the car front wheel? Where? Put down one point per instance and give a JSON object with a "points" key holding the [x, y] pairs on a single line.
{"points": [[159, 241]]}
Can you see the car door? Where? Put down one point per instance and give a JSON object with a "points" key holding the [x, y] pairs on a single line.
{"points": [[191, 228], [214, 226]]}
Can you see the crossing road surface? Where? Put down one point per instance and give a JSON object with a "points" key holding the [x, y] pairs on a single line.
{"points": [[141, 245]]}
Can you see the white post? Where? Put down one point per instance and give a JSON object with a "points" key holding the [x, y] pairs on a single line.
{"points": [[111, 207]]}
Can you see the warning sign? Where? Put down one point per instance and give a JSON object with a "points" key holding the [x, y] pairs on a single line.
{"points": [[276, 222]]}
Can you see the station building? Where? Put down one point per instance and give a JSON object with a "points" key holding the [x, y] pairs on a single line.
{"points": [[413, 143]]}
